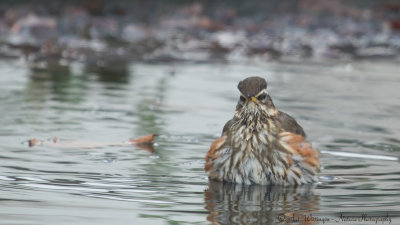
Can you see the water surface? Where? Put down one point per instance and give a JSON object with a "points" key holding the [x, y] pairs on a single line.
{"points": [[349, 111]]}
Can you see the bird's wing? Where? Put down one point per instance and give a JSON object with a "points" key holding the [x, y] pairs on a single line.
{"points": [[214, 151], [228, 124], [297, 146], [289, 124]]}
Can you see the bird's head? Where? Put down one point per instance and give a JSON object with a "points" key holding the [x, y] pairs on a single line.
{"points": [[254, 98]]}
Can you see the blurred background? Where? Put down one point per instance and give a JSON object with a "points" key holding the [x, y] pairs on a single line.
{"points": [[101, 34], [106, 71]]}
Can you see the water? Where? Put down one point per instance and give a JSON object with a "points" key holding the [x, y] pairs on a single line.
{"points": [[349, 111]]}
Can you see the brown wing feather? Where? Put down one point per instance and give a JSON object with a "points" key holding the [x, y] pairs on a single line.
{"points": [[289, 124], [229, 124], [299, 146], [213, 152]]}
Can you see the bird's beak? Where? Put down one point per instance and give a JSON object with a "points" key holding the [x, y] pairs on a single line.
{"points": [[254, 99]]}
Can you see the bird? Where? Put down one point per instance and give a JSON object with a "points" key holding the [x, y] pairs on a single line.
{"points": [[261, 145]]}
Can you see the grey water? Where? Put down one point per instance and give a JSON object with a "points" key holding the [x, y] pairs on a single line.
{"points": [[349, 110]]}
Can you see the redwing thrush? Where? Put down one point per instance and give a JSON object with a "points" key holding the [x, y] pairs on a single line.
{"points": [[261, 144]]}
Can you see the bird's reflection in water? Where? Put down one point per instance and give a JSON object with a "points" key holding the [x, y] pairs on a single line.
{"points": [[239, 204]]}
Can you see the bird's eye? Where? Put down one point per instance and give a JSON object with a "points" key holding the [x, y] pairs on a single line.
{"points": [[261, 97], [243, 99]]}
